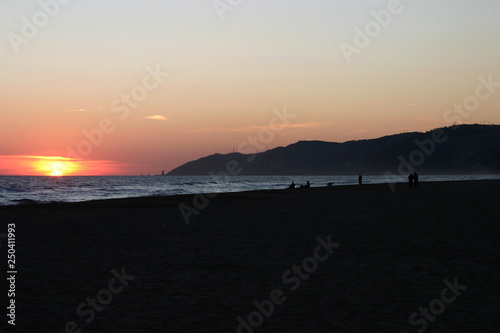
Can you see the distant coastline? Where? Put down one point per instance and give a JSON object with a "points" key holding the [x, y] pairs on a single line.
{"points": [[461, 149]]}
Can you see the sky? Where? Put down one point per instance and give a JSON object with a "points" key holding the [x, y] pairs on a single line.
{"points": [[128, 87]]}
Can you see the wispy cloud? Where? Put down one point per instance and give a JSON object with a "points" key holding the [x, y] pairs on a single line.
{"points": [[360, 131], [310, 125], [253, 129], [157, 117], [76, 110], [429, 119], [35, 157]]}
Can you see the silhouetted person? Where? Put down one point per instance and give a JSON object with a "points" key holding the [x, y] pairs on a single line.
{"points": [[292, 185], [306, 185], [415, 178], [411, 179], [360, 179]]}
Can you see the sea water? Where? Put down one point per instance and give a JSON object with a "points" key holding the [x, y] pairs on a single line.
{"points": [[29, 190]]}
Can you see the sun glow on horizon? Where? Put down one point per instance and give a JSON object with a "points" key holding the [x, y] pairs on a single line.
{"points": [[57, 166], [56, 173], [57, 169]]}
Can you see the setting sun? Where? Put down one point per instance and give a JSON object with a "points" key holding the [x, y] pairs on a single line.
{"points": [[56, 170], [56, 173], [56, 166]]}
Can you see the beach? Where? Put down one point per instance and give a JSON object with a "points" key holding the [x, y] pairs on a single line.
{"points": [[327, 259]]}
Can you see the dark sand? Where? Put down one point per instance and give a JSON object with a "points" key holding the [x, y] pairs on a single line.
{"points": [[396, 251]]}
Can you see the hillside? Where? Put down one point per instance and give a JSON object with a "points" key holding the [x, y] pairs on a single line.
{"points": [[459, 149]]}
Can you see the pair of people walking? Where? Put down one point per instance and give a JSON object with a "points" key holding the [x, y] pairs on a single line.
{"points": [[413, 179]]}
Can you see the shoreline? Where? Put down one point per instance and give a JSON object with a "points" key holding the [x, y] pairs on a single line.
{"points": [[181, 197]]}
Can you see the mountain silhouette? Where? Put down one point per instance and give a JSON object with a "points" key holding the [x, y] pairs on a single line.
{"points": [[448, 150]]}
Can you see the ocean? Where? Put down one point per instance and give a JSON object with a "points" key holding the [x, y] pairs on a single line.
{"points": [[16, 190]]}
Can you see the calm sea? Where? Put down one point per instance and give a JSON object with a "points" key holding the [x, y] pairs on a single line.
{"points": [[16, 190]]}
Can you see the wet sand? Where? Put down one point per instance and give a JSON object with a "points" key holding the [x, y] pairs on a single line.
{"points": [[392, 255]]}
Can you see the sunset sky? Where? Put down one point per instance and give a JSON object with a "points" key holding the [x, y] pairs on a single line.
{"points": [[99, 87]]}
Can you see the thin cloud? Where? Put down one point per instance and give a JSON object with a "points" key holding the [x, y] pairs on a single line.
{"points": [[76, 110], [53, 158], [429, 119], [310, 125], [157, 117], [253, 129]]}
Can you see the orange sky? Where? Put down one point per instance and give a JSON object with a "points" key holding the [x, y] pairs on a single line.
{"points": [[136, 87]]}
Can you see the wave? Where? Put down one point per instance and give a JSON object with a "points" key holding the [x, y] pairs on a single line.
{"points": [[14, 190], [166, 193], [27, 201]]}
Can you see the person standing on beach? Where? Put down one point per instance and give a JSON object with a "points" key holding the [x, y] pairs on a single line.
{"points": [[360, 179], [410, 179], [415, 178]]}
